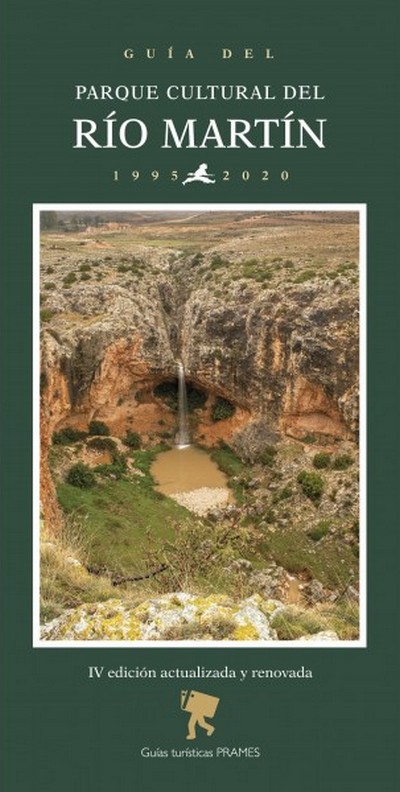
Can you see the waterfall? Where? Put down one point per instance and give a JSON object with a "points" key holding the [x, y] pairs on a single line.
{"points": [[182, 438]]}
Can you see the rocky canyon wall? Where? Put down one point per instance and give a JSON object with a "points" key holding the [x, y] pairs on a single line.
{"points": [[286, 355]]}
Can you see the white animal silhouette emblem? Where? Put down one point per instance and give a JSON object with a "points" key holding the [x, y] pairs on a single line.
{"points": [[200, 175]]}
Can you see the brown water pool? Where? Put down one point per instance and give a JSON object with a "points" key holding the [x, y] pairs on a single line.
{"points": [[185, 470]]}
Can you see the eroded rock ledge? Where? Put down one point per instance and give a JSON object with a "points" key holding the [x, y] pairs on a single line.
{"points": [[177, 616]]}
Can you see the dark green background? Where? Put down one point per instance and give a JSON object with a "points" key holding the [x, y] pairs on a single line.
{"points": [[62, 732]]}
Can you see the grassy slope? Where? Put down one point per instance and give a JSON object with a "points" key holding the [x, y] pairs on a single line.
{"points": [[333, 564], [116, 519]]}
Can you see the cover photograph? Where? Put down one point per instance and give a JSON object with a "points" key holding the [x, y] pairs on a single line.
{"points": [[198, 405], [198, 392]]}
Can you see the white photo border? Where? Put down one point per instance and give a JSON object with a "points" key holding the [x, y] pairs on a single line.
{"points": [[361, 209]]}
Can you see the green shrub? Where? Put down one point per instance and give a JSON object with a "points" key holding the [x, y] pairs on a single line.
{"points": [[217, 262], [227, 460], [110, 471], [132, 439], [85, 268], [85, 276], [80, 475], [71, 278], [342, 462], [268, 455], [322, 460], [49, 286], [102, 444], [309, 439], [312, 485], [346, 267], [46, 315], [98, 428], [222, 409], [67, 436], [304, 276], [263, 276], [249, 263], [285, 493], [319, 531]]}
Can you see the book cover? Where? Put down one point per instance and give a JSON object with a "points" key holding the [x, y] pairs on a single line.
{"points": [[198, 535]]}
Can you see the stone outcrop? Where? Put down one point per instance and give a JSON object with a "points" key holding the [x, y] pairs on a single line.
{"points": [[177, 616], [174, 617]]}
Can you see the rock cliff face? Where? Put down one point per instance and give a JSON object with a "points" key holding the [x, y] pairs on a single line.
{"points": [[277, 341], [289, 358]]}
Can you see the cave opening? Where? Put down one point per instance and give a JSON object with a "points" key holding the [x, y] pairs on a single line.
{"points": [[198, 398], [168, 392]]}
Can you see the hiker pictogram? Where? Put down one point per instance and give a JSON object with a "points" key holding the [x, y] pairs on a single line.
{"points": [[200, 706]]}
